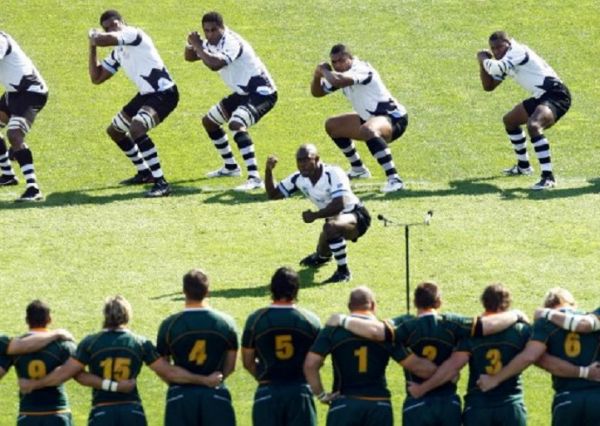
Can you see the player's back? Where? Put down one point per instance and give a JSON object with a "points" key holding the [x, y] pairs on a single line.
{"points": [[281, 337], [37, 365], [197, 339], [358, 364], [489, 355], [434, 337], [579, 349], [115, 355]]}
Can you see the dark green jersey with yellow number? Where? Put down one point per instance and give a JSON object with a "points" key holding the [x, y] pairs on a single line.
{"points": [[281, 335], [579, 349], [432, 336], [197, 339], [5, 360], [37, 365], [358, 364], [487, 356], [115, 355]]}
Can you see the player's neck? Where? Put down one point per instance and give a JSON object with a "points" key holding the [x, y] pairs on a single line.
{"points": [[362, 312], [427, 311], [196, 305], [282, 302], [38, 329]]}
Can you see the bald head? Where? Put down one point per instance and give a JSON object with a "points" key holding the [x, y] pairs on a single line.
{"points": [[307, 150], [361, 299]]}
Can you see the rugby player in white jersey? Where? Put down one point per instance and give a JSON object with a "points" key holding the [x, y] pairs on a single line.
{"points": [[25, 95], [328, 187], [157, 97], [378, 118], [549, 102], [254, 94]]}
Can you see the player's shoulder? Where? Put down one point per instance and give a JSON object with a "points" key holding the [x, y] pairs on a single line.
{"points": [[256, 315], [222, 317], [310, 316]]}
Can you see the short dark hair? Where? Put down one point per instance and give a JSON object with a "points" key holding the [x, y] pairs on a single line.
{"points": [[195, 285], [496, 298], [215, 17], [428, 296], [37, 314], [110, 14], [285, 284], [340, 48], [499, 36]]}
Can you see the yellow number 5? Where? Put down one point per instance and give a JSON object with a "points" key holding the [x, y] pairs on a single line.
{"points": [[284, 349]]}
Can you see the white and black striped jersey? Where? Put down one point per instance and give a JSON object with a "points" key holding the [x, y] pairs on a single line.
{"points": [[244, 73], [368, 95], [333, 183], [525, 67], [140, 61], [17, 72]]}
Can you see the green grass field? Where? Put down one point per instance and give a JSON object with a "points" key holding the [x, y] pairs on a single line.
{"points": [[92, 238]]}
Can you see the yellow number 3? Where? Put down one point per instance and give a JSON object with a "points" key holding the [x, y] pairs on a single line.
{"points": [[495, 358]]}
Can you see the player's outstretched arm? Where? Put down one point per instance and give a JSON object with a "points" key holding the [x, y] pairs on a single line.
{"points": [[419, 366], [532, 352], [570, 321], [446, 372], [58, 376], [367, 328], [36, 341], [492, 324]]}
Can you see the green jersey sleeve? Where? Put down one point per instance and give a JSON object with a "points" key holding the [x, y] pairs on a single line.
{"points": [[149, 352], [5, 360], [322, 344]]}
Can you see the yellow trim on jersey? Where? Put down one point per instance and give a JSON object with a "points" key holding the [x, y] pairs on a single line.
{"points": [[366, 398], [107, 404]]}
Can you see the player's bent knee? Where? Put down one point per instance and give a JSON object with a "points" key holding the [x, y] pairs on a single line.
{"points": [[242, 117], [120, 122], [331, 230], [367, 133], [215, 117]]}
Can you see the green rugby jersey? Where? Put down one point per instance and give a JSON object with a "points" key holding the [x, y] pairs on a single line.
{"points": [[487, 356], [281, 336], [38, 364], [358, 364], [432, 336], [115, 355], [597, 312], [197, 339], [579, 349], [5, 360]]}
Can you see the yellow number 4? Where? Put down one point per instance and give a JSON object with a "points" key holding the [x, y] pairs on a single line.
{"points": [[198, 352]]}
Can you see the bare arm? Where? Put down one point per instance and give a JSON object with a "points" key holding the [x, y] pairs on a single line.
{"points": [[315, 86], [336, 79], [36, 341], [174, 374], [249, 360], [58, 376], [419, 366], [570, 321], [2, 372], [369, 329], [189, 54], [487, 81], [334, 208], [270, 184], [98, 74], [532, 352], [561, 368], [213, 62], [92, 381], [312, 367], [229, 364], [446, 372], [496, 323]]}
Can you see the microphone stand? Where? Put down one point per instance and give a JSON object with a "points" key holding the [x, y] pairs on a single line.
{"points": [[387, 222]]}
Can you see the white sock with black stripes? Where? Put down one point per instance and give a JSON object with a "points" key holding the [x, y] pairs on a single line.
{"points": [[338, 249], [220, 141], [542, 151], [150, 155], [519, 143], [244, 143], [25, 159], [5, 164], [132, 152]]}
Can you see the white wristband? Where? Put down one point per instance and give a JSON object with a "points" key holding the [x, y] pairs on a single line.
{"points": [[321, 396], [106, 385], [547, 313], [343, 319], [584, 372], [113, 386]]}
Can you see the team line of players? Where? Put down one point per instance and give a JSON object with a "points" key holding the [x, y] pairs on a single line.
{"points": [[284, 348], [378, 118]]}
